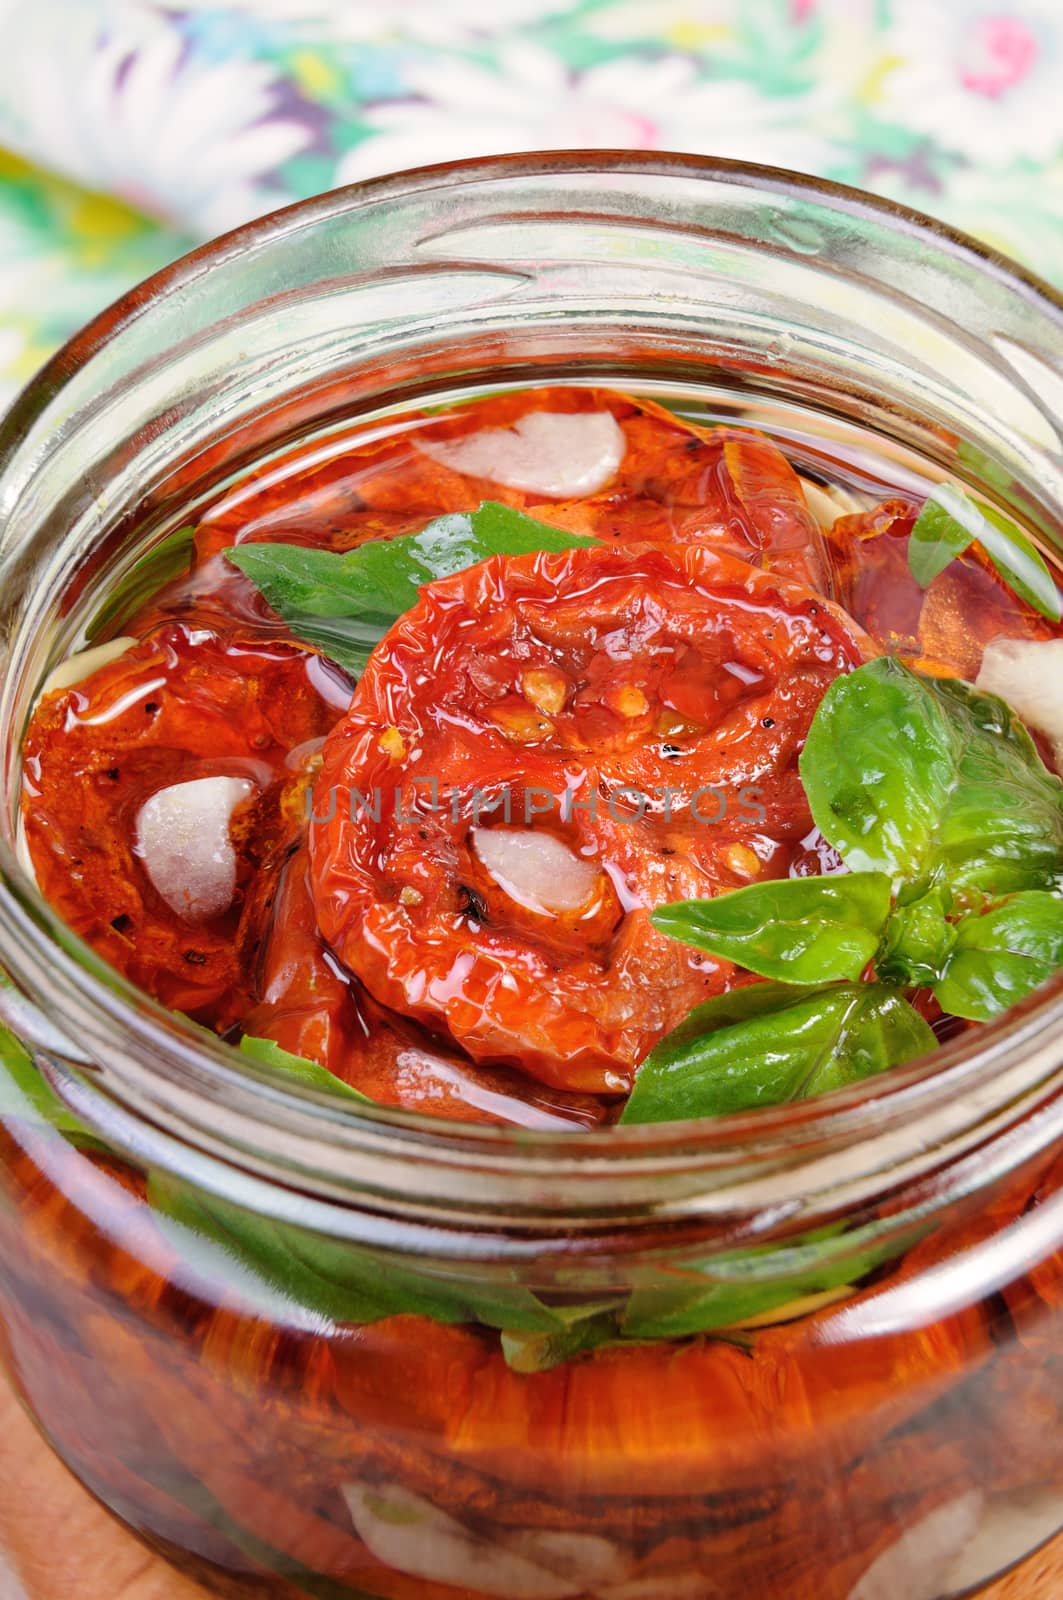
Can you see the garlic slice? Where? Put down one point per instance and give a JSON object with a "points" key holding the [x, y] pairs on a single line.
{"points": [[82, 665], [536, 869], [414, 1537], [184, 843], [827, 505], [916, 1563], [1028, 674], [558, 454], [1009, 1530]]}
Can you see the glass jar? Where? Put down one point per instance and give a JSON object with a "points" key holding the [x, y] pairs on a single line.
{"points": [[314, 1348]]}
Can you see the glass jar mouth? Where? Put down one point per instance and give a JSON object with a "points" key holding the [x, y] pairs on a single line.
{"points": [[152, 1081]]}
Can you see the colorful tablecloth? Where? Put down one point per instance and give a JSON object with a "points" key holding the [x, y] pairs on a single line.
{"points": [[133, 129]]}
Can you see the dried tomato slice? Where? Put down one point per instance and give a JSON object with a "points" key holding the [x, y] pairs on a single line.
{"points": [[553, 684], [311, 1008], [181, 705]]}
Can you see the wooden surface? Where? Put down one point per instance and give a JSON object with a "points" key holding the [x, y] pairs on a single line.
{"points": [[57, 1543], [1040, 1578]]}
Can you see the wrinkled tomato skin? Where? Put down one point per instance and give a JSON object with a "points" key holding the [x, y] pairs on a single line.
{"points": [[182, 704], [681, 670], [303, 1003], [309, 1007], [727, 490]]}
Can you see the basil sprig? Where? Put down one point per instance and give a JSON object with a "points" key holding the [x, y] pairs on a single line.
{"points": [[722, 1293], [935, 797], [282, 1267], [344, 604], [951, 521], [335, 1278]]}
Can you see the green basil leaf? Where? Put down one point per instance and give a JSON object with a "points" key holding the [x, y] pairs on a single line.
{"points": [[740, 1285], [308, 1072], [1002, 956], [26, 1095], [918, 940], [935, 542], [932, 781], [772, 1042], [706, 1296], [336, 1279], [589, 1328], [344, 604], [950, 521], [1020, 563], [800, 930]]}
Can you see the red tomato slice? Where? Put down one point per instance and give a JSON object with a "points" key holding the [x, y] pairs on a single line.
{"points": [[181, 705], [303, 1002], [555, 683], [310, 1008]]}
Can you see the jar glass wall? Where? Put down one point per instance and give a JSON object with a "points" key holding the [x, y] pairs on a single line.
{"points": [[338, 1352]]}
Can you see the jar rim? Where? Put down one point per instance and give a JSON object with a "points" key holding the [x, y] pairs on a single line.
{"points": [[162, 1073], [60, 368]]}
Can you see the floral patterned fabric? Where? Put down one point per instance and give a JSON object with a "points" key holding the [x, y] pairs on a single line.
{"points": [[129, 130]]}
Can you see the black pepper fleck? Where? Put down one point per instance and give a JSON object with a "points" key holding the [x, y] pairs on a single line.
{"points": [[475, 905]]}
